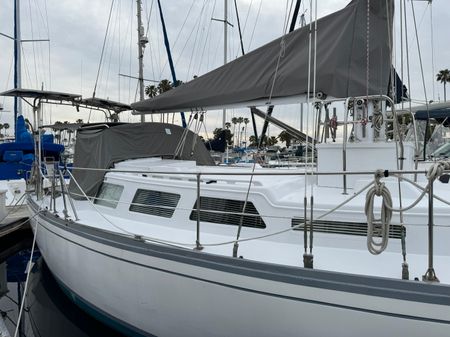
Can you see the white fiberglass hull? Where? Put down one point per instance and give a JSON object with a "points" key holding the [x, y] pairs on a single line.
{"points": [[151, 290]]}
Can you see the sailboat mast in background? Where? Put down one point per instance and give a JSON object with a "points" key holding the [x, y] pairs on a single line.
{"points": [[225, 45], [142, 41], [17, 63]]}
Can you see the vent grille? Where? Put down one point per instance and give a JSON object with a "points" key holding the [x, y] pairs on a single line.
{"points": [[346, 228], [155, 203], [227, 212]]}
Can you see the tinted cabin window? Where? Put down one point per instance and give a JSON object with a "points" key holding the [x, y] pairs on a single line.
{"points": [[227, 212], [109, 195], [155, 203]]}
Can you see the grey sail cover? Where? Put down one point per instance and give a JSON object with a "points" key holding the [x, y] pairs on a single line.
{"points": [[341, 64], [100, 148]]}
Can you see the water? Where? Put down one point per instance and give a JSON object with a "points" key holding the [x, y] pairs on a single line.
{"points": [[48, 311]]}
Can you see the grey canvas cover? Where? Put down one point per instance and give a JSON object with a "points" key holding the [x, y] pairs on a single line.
{"points": [[102, 147], [341, 65]]}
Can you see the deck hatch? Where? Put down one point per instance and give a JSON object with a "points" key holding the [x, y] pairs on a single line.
{"points": [[155, 203], [345, 228], [227, 212]]}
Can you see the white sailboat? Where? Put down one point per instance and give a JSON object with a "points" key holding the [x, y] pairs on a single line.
{"points": [[155, 242]]}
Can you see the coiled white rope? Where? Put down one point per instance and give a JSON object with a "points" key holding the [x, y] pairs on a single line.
{"points": [[378, 228], [437, 169]]}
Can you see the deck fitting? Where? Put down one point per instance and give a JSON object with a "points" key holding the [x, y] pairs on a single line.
{"points": [[308, 260]]}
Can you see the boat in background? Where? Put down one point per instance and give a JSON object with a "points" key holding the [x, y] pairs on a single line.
{"points": [[17, 155], [432, 124], [17, 160]]}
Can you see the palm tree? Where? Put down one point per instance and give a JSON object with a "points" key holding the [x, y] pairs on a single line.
{"points": [[79, 121], [151, 91], [227, 125], [285, 137], [272, 140], [164, 85], [234, 120], [252, 140], [443, 76], [246, 121], [239, 120]]}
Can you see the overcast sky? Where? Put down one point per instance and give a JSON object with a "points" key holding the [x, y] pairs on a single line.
{"points": [[77, 29]]}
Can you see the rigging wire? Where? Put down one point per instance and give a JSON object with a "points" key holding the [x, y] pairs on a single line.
{"points": [[32, 44], [103, 49], [49, 58], [209, 42], [130, 49], [124, 48], [420, 58], [119, 51], [194, 47], [207, 39], [40, 50], [256, 22], [430, 3], [205, 35], [286, 18], [49, 48], [407, 54], [150, 45], [7, 81], [198, 18], [27, 70], [401, 49], [112, 47], [247, 15], [179, 33], [216, 52]]}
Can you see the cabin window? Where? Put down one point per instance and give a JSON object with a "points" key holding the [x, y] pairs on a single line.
{"points": [[109, 195], [155, 203], [227, 212]]}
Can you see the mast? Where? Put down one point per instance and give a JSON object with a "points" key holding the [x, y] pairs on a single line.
{"points": [[169, 56], [225, 44], [142, 41], [17, 63]]}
